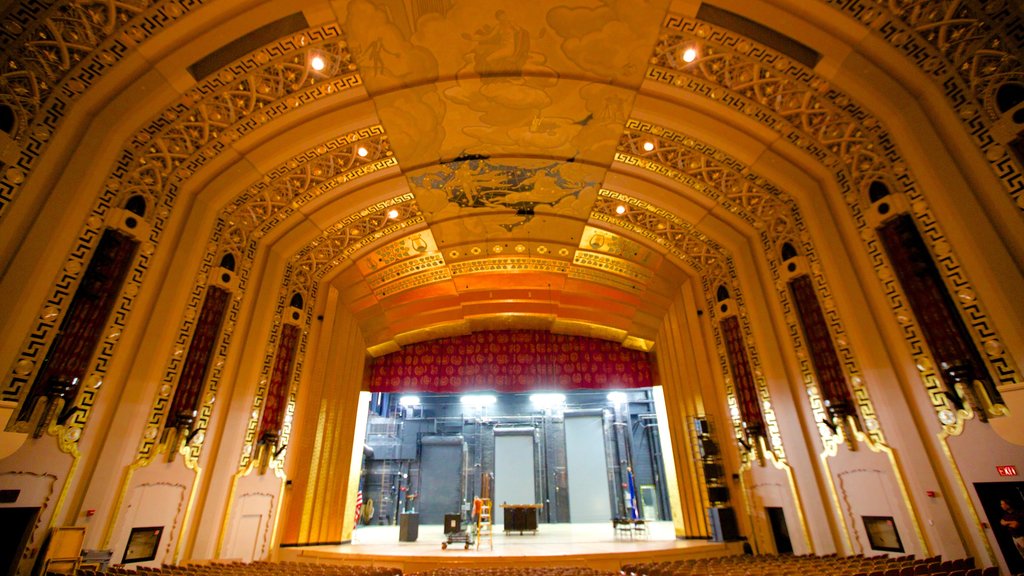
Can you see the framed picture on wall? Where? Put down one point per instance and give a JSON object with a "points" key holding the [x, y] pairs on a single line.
{"points": [[1003, 503], [142, 544], [882, 533]]}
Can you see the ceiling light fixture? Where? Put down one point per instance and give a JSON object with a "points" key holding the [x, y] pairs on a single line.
{"points": [[317, 62], [547, 400], [648, 146], [617, 397], [478, 400], [689, 55], [392, 213], [620, 209], [362, 151]]}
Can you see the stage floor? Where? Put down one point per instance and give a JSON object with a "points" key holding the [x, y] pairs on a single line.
{"points": [[592, 545]]}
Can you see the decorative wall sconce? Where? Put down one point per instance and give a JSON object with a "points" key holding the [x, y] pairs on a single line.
{"points": [[966, 394], [180, 433], [841, 422], [753, 443], [268, 450], [58, 404]]}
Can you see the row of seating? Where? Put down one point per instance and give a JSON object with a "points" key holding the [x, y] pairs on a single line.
{"points": [[260, 568], [764, 565], [515, 571], [829, 565]]}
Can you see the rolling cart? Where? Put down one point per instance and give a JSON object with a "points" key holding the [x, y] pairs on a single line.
{"points": [[453, 532]]}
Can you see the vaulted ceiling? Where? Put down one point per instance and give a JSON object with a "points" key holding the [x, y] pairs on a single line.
{"points": [[452, 166]]}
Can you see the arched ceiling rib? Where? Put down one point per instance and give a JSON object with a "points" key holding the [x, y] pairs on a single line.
{"points": [[502, 122]]}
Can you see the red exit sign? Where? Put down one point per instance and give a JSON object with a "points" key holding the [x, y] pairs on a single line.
{"points": [[1006, 470]]}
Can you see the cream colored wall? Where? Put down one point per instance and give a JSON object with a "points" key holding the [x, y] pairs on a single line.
{"points": [[318, 505], [683, 402], [43, 225]]}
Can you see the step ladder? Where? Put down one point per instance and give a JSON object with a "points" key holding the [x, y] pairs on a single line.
{"points": [[484, 524]]}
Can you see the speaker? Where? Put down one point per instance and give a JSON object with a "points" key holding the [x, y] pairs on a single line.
{"points": [[796, 266], [702, 425], [408, 527], [718, 493], [293, 315], [726, 308], [708, 448], [712, 471], [128, 222], [223, 278], [887, 207], [723, 524]]}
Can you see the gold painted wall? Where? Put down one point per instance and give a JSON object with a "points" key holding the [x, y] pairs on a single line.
{"points": [[319, 500], [496, 144]]}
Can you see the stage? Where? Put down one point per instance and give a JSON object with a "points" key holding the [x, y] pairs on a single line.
{"points": [[592, 545]]}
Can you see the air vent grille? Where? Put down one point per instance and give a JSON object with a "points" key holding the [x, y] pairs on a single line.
{"points": [[759, 33], [252, 41]]}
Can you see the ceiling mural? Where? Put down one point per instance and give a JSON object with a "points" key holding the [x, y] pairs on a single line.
{"points": [[501, 123], [464, 78], [519, 188]]}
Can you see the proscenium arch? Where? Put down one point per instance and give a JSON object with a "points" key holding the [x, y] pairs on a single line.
{"points": [[197, 182]]}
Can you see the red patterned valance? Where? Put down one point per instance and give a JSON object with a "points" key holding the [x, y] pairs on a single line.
{"points": [[510, 361]]}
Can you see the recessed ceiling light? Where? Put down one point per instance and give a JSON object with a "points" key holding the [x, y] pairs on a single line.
{"points": [[317, 62], [392, 213], [648, 146], [620, 209], [617, 397], [547, 400], [478, 400], [362, 151], [689, 55]]}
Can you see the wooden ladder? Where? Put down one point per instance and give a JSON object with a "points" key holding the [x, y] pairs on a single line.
{"points": [[484, 525]]}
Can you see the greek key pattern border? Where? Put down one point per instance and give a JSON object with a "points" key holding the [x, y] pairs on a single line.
{"points": [[303, 275], [777, 218], [967, 53], [237, 232], [155, 162], [829, 126], [715, 268], [54, 53]]}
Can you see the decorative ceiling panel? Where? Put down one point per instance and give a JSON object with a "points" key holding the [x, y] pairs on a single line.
{"points": [[451, 78]]}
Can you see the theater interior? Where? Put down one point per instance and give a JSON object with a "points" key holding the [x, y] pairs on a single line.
{"points": [[681, 279]]}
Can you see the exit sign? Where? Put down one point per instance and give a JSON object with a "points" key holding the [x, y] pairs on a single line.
{"points": [[1006, 470]]}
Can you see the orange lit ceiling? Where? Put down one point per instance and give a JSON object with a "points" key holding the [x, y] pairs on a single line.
{"points": [[504, 120]]}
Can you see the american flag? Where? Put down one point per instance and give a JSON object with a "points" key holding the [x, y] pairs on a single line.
{"points": [[359, 505]]}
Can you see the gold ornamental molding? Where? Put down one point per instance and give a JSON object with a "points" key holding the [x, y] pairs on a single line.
{"points": [[303, 275], [717, 270], [241, 224], [53, 53], [160, 156], [968, 50], [828, 125]]}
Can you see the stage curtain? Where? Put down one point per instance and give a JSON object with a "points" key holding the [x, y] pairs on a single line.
{"points": [[186, 397], [510, 361], [824, 358], [743, 379], [280, 378]]}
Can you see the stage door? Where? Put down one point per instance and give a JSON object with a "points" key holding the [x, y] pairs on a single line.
{"points": [[513, 468], [440, 478], [587, 467]]}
